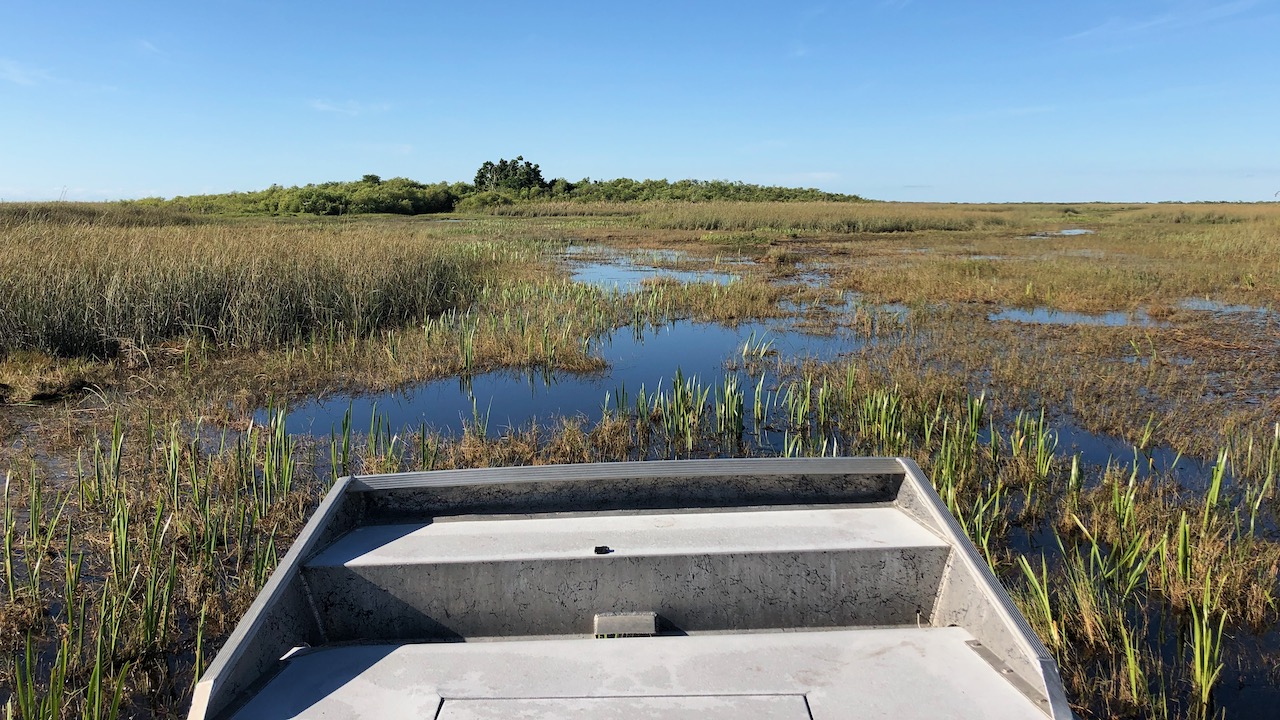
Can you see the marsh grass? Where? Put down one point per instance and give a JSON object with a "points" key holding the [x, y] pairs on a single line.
{"points": [[121, 214], [816, 217], [1031, 277], [119, 577], [91, 290]]}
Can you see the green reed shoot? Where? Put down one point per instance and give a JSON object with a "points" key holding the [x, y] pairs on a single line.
{"points": [[1139, 692], [982, 519], [340, 451], [756, 349], [428, 449], [1183, 565], [1215, 489], [1038, 583], [10, 530], [1271, 468], [106, 468], [1206, 644], [102, 697], [730, 423], [759, 404], [30, 699], [198, 668], [467, 349]]}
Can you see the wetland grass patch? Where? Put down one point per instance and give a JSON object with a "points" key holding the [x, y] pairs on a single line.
{"points": [[86, 290]]}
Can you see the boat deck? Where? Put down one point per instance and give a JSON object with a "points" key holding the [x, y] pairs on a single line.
{"points": [[701, 590], [467, 540], [854, 673]]}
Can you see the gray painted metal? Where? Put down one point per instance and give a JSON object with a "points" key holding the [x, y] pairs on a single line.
{"points": [[822, 567], [625, 624], [887, 673], [494, 557]]}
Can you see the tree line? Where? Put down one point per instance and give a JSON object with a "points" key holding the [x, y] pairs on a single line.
{"points": [[505, 182]]}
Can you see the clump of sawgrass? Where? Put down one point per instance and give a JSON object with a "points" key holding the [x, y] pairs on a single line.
{"points": [[826, 217], [112, 584], [106, 214], [29, 376], [740, 240], [781, 257], [85, 290], [547, 326]]}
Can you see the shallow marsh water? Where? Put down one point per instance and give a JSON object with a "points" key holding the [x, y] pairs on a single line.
{"points": [[1046, 316], [1069, 232], [648, 358], [610, 269], [1221, 308]]}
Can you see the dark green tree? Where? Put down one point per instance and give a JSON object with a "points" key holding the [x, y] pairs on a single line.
{"points": [[516, 175]]}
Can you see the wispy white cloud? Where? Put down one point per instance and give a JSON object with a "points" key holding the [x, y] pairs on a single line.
{"points": [[16, 72], [150, 48], [349, 107], [1183, 16]]}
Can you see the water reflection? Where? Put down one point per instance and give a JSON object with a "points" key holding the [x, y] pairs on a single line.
{"points": [[513, 399], [610, 269], [1046, 316], [1106, 450], [1069, 232], [1214, 306], [628, 277]]}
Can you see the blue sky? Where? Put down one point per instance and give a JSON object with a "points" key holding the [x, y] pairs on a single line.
{"points": [[893, 99]]}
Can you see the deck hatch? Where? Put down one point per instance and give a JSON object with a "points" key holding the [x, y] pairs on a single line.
{"points": [[687, 707]]}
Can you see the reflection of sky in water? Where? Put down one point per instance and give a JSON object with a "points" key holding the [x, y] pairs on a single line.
{"points": [[609, 268], [1206, 305], [854, 301], [513, 399], [1045, 316], [1103, 450], [1060, 233], [628, 276]]}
